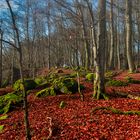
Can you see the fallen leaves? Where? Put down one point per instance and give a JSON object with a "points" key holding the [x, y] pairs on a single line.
{"points": [[76, 120]]}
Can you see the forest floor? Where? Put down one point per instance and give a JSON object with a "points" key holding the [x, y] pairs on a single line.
{"points": [[76, 121]]}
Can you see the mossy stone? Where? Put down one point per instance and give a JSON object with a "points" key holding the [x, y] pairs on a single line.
{"points": [[28, 83]]}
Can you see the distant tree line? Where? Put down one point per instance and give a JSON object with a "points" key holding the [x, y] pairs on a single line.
{"points": [[64, 33]]}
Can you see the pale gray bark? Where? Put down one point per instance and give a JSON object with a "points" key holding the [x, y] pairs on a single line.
{"points": [[26, 121], [99, 85], [129, 35], [111, 63]]}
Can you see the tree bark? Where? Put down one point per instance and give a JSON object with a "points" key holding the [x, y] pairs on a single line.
{"points": [[26, 120], [1, 36], [129, 35], [99, 86], [111, 58]]}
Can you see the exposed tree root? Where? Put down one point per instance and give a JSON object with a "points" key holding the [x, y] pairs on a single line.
{"points": [[127, 95], [117, 111]]}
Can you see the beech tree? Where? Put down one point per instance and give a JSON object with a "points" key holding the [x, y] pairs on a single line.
{"points": [[129, 35], [19, 48], [1, 36], [99, 85], [112, 42]]}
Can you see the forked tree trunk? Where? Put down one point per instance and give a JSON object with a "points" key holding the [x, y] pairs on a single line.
{"points": [[93, 32], [99, 87]]}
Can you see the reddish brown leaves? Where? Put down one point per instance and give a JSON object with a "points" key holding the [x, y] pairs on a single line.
{"points": [[75, 120]]}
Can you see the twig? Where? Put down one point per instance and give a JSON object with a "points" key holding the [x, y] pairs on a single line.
{"points": [[50, 128]]}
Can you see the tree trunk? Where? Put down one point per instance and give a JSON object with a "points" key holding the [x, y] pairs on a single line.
{"points": [[111, 58], [118, 41], [129, 35], [99, 87], [49, 30], [1, 36], [26, 121], [85, 35]]}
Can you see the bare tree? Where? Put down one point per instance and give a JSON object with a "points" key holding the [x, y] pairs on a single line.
{"points": [[99, 86], [111, 63], [129, 35], [19, 48], [1, 36]]}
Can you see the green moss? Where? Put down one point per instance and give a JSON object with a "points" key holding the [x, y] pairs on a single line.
{"points": [[28, 83], [8, 100], [46, 92], [62, 104], [110, 74], [116, 83], [39, 80], [117, 111], [90, 77], [131, 80], [59, 84], [4, 117], [65, 84], [1, 128]]}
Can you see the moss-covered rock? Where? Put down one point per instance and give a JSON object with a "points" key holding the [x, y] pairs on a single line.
{"points": [[59, 85], [46, 92], [28, 83], [116, 83], [65, 85], [71, 84], [8, 100]]}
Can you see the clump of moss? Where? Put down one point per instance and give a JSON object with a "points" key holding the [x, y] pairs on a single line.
{"points": [[8, 100], [116, 83], [116, 111], [131, 80], [46, 92], [90, 77], [110, 74], [62, 104], [39, 80]]}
